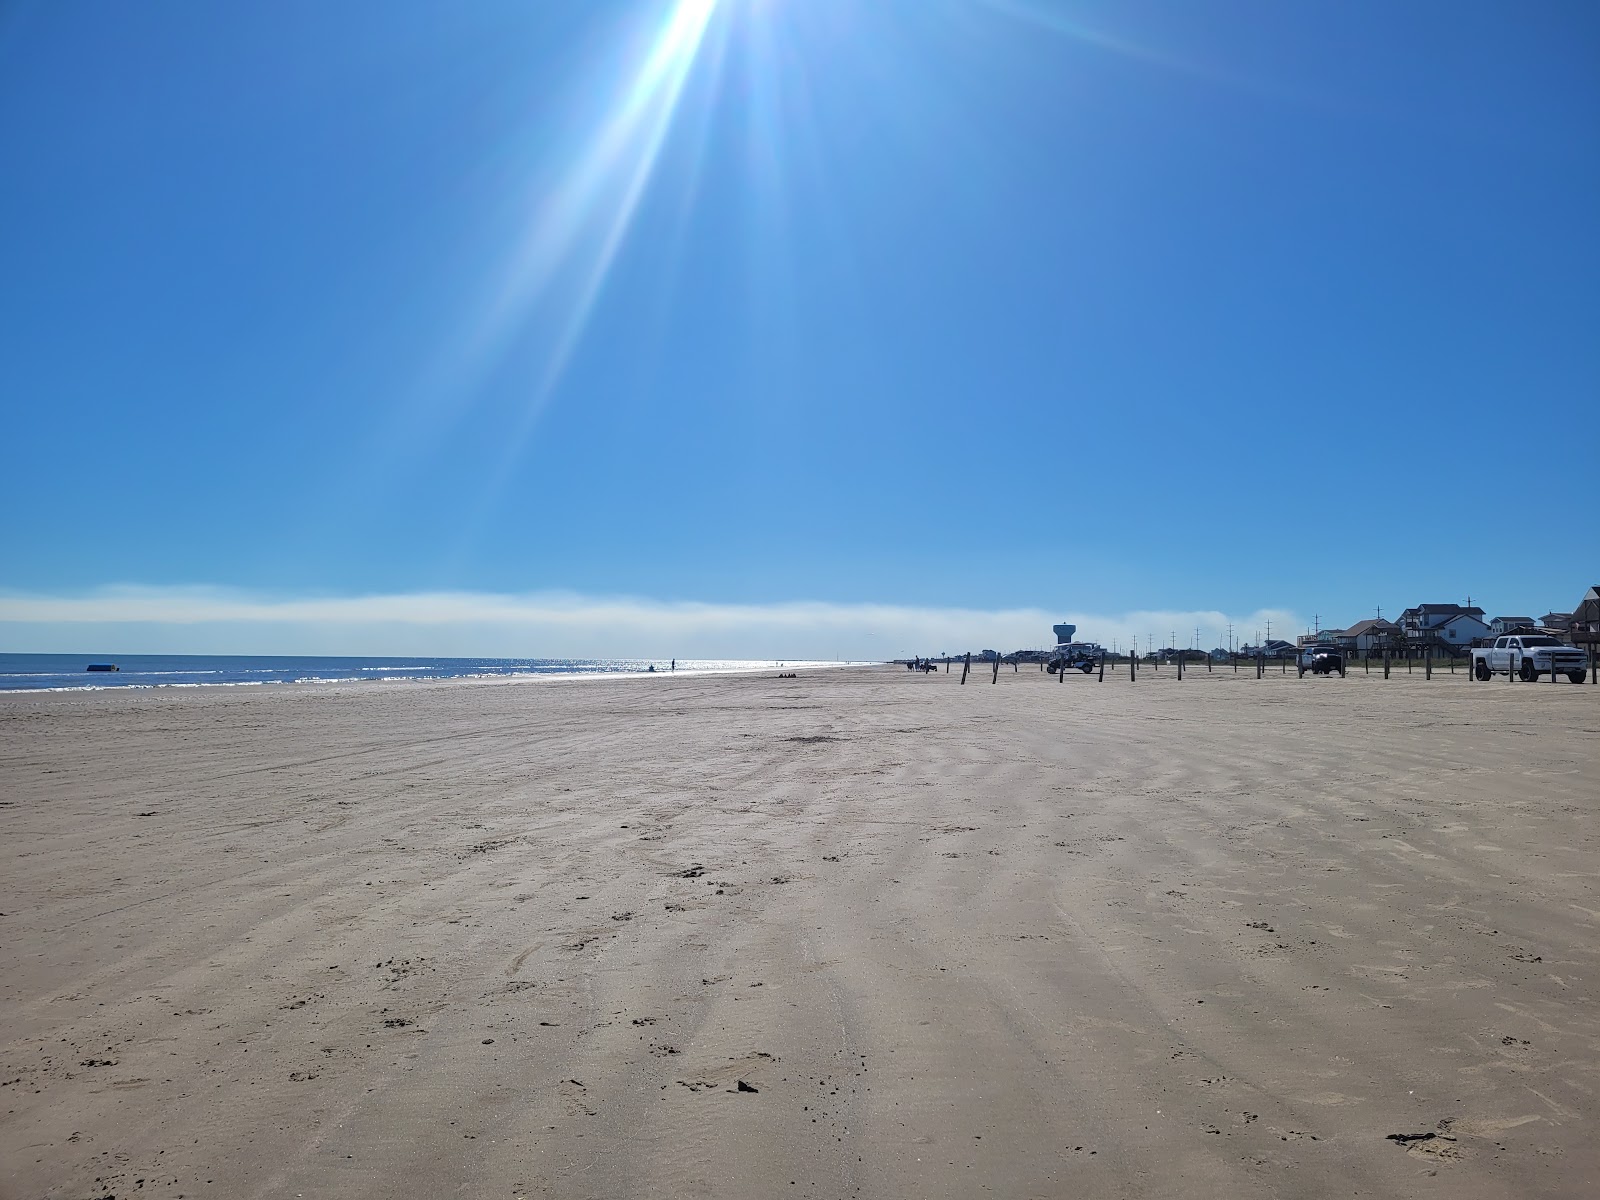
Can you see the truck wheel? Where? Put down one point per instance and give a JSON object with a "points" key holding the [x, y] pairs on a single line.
{"points": [[1087, 668], [1527, 672], [1575, 676], [1481, 672]]}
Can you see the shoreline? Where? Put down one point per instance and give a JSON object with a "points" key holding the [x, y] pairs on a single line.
{"points": [[485, 677]]}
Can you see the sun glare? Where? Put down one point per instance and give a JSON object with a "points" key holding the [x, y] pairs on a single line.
{"points": [[582, 219]]}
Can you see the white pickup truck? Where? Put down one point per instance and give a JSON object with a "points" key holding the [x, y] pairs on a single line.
{"points": [[1530, 655]]}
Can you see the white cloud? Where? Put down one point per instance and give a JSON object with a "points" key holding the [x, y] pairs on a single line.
{"points": [[207, 620]]}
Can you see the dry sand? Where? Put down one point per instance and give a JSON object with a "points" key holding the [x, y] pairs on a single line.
{"points": [[859, 933]]}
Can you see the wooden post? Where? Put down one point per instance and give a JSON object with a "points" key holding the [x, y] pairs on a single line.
{"points": [[1283, 665], [1180, 666], [996, 678], [1594, 661], [1261, 663], [1386, 662], [1061, 673], [1102, 678], [1133, 665], [1427, 662], [966, 665]]}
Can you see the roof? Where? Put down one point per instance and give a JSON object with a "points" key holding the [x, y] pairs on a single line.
{"points": [[1370, 625], [1515, 621], [1435, 610]]}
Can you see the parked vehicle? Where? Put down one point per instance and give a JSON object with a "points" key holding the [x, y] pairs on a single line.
{"points": [[1529, 655], [1061, 662], [1322, 660]]}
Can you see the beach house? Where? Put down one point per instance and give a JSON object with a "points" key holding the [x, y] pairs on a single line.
{"points": [[1558, 621], [1450, 627], [1583, 628], [1503, 625], [1369, 636]]}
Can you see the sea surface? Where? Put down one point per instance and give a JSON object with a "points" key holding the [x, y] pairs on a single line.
{"points": [[57, 672]]}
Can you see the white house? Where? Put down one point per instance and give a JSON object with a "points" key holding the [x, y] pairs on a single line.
{"points": [[1443, 625]]}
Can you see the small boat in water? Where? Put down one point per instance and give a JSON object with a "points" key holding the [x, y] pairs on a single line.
{"points": [[103, 667]]}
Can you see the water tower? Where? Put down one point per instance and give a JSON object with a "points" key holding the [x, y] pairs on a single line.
{"points": [[1064, 633]]}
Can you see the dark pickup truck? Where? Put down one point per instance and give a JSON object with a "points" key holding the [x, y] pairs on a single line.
{"points": [[1322, 660]]}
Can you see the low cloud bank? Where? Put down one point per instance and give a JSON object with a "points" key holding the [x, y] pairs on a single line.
{"points": [[203, 620]]}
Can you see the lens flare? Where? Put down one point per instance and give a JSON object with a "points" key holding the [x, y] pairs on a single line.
{"points": [[579, 211], [574, 235]]}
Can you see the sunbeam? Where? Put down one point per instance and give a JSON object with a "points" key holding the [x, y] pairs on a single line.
{"points": [[1058, 22], [576, 227], [576, 231]]}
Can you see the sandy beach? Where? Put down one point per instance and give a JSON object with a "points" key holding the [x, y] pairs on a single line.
{"points": [[858, 933]]}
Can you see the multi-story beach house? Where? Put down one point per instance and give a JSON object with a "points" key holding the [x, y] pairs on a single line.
{"points": [[1503, 625], [1583, 623], [1369, 636], [1555, 620], [1452, 627]]}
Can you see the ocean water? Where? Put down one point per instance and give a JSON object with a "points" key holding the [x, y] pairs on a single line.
{"points": [[56, 672]]}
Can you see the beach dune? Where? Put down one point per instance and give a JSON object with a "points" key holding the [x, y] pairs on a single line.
{"points": [[855, 933]]}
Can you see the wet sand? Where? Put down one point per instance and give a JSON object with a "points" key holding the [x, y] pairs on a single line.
{"points": [[859, 933]]}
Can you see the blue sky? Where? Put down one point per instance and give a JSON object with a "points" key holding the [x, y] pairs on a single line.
{"points": [[954, 306]]}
